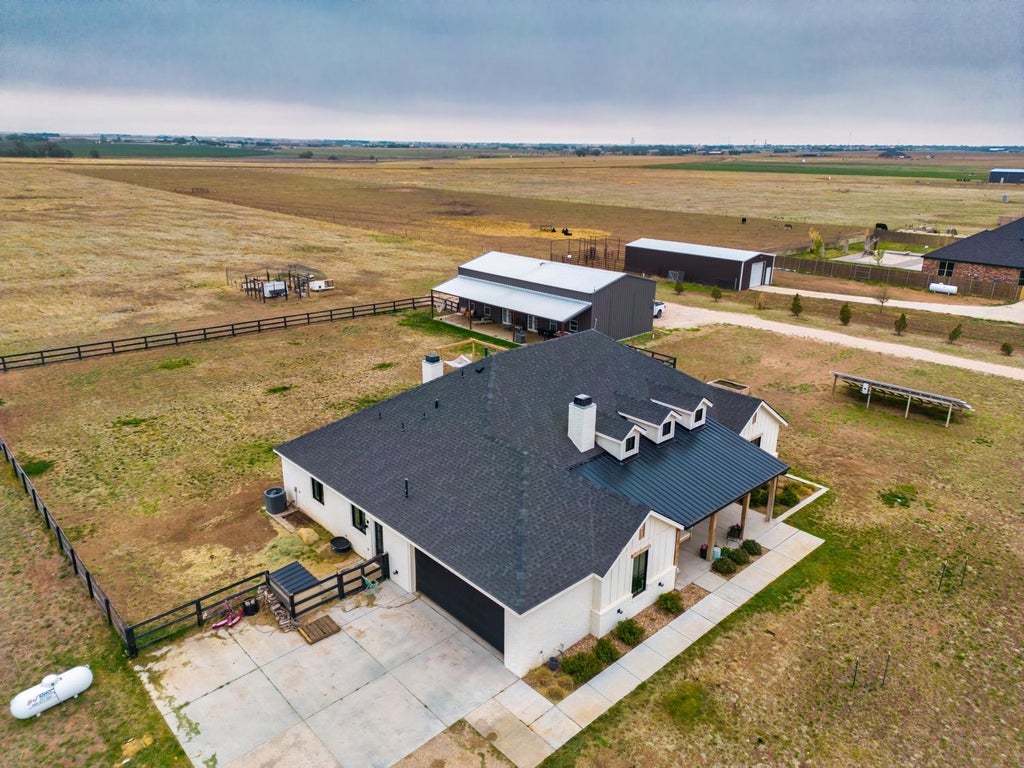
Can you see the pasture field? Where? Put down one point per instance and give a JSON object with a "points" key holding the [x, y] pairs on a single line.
{"points": [[158, 460], [774, 685]]}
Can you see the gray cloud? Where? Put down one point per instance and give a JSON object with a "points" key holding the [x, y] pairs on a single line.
{"points": [[560, 60]]}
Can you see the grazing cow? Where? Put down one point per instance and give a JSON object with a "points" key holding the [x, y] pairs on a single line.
{"points": [[743, 220]]}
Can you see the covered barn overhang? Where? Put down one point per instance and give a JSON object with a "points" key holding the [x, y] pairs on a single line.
{"points": [[525, 301]]}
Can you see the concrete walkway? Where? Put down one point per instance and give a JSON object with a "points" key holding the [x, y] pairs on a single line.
{"points": [[398, 674], [678, 316]]}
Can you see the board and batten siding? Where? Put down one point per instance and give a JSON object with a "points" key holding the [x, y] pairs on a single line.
{"points": [[764, 424], [548, 629], [615, 590]]}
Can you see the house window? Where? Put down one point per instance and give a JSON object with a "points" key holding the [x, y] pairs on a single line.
{"points": [[640, 573], [945, 269], [757, 441], [573, 326], [487, 310], [666, 428], [358, 518], [506, 316], [630, 443], [698, 416], [552, 325], [318, 489], [1020, 278]]}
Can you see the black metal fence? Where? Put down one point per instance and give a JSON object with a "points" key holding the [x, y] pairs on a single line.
{"points": [[668, 360], [96, 593], [894, 276], [194, 335], [195, 613]]}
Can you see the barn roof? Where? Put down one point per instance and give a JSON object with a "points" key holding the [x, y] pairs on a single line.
{"points": [[695, 249]]}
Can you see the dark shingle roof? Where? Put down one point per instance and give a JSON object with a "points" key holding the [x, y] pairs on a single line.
{"points": [[487, 456], [644, 410], [1001, 247], [614, 426]]}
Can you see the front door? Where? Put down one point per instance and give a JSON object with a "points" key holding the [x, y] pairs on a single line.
{"points": [[506, 316], [378, 539], [531, 323]]}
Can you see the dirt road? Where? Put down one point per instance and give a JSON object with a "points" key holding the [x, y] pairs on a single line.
{"points": [[677, 316]]}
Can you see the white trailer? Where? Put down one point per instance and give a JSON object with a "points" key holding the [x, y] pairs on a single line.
{"points": [[321, 285]]}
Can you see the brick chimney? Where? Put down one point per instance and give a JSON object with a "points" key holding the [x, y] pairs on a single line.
{"points": [[582, 422]]}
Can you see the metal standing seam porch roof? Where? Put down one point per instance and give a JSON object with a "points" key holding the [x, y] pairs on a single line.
{"points": [[557, 308]]}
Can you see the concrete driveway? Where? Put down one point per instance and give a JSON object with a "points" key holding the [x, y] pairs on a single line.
{"points": [[396, 675]]}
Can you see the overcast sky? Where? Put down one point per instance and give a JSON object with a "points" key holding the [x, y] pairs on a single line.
{"points": [[650, 71]]}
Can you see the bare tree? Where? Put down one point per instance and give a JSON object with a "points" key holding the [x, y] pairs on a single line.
{"points": [[883, 296]]}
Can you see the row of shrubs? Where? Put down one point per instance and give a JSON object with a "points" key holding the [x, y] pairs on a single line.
{"points": [[583, 666], [787, 495], [732, 559]]}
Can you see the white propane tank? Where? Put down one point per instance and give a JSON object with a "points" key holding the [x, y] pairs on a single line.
{"points": [[53, 690], [942, 288]]}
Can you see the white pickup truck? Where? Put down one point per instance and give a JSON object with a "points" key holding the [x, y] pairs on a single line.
{"points": [[657, 308]]}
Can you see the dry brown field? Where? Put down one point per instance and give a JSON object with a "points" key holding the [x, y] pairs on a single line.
{"points": [[159, 459]]}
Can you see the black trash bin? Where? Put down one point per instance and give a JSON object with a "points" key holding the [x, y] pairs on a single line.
{"points": [[250, 606]]}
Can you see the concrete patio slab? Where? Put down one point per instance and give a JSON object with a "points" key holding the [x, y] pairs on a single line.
{"points": [[509, 734], [523, 702], [776, 535], [232, 720], [734, 593], [394, 634], [614, 682], [265, 642], [323, 673], [584, 705], [692, 625], [668, 642], [186, 672], [714, 608], [642, 662], [459, 658], [297, 747], [375, 726], [555, 727], [799, 545]]}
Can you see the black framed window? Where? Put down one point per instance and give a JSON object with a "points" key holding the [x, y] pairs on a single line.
{"points": [[318, 489], [945, 269], [630, 443], [640, 573], [1020, 278], [666, 428], [698, 416], [358, 518]]}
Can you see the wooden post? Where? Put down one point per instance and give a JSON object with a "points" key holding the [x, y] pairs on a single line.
{"points": [[712, 524], [675, 553], [743, 515], [772, 487]]}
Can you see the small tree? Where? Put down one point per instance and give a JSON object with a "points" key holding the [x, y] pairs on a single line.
{"points": [[845, 313], [716, 293], [817, 243], [678, 287], [956, 333], [882, 297], [1006, 348], [94, 154], [762, 300], [306, 155], [796, 306], [901, 324]]}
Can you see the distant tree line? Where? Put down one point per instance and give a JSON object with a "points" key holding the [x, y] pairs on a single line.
{"points": [[20, 147]]}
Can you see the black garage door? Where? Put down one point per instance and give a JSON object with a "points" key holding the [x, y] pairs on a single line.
{"points": [[461, 600]]}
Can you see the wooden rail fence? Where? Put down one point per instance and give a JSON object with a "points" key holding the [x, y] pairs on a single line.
{"points": [[194, 335]]}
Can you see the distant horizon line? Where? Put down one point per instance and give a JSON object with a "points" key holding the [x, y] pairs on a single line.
{"points": [[299, 141]]}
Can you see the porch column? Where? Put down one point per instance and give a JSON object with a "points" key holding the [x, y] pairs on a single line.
{"points": [[772, 487], [712, 522], [675, 552], [743, 515]]}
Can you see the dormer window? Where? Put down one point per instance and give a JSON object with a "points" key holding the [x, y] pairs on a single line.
{"points": [[666, 429], [630, 444], [698, 416]]}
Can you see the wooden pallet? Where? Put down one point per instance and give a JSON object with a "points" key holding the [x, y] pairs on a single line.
{"points": [[317, 630]]}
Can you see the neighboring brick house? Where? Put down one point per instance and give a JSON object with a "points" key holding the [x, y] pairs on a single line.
{"points": [[995, 255], [537, 495]]}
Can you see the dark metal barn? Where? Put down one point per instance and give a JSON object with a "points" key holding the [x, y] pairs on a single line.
{"points": [[705, 264]]}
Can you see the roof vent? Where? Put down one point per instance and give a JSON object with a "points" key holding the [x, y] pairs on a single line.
{"points": [[433, 357]]}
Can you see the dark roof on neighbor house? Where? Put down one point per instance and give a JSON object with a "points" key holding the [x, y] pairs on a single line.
{"points": [[492, 494], [1000, 247]]}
